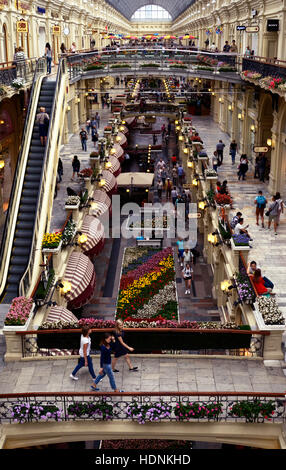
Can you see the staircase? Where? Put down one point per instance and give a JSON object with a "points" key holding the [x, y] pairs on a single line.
{"points": [[28, 205]]}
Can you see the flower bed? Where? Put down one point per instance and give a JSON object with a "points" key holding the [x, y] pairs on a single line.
{"points": [[149, 289], [209, 173], [19, 311], [86, 172], [244, 288], [72, 201], [150, 412], [101, 410]]}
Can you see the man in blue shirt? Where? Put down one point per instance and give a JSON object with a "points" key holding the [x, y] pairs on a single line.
{"points": [[180, 245]]}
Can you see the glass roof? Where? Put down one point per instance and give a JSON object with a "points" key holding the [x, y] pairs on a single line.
{"points": [[128, 7]]}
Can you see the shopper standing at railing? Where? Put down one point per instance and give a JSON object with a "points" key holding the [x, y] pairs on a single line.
{"points": [[20, 60]]}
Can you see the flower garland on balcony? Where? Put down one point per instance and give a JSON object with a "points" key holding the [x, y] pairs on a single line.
{"points": [[269, 82]]}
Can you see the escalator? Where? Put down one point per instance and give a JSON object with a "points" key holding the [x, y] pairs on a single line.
{"points": [[32, 190], [28, 203]]}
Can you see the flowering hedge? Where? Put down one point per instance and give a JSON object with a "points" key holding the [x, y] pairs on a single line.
{"points": [[270, 311], [244, 288], [91, 410], [129, 322], [149, 411], [19, 311]]}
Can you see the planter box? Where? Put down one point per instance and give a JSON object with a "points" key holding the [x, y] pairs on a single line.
{"points": [[47, 251], [71, 208], [9, 328], [239, 247], [212, 178], [262, 326]]}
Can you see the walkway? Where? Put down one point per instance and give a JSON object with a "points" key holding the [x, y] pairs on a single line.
{"points": [[267, 250], [154, 374]]}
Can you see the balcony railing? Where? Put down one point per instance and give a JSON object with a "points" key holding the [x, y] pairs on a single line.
{"points": [[265, 66], [9, 71], [144, 407], [233, 342]]}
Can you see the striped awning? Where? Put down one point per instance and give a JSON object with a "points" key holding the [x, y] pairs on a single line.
{"points": [[101, 204], [58, 313], [110, 183], [115, 167], [93, 228], [80, 273], [123, 140], [124, 130], [130, 121], [117, 152]]}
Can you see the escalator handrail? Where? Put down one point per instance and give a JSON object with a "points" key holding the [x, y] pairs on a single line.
{"points": [[15, 194], [60, 71]]}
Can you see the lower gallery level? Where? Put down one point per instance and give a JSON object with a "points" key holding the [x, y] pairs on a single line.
{"points": [[133, 219]]}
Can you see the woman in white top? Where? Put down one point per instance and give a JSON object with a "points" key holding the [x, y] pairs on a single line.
{"points": [[85, 359], [280, 207], [187, 274]]}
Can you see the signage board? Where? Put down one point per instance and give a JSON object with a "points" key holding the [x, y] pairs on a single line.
{"points": [[260, 149], [252, 29], [240, 28], [272, 25], [41, 10], [22, 26], [56, 29]]}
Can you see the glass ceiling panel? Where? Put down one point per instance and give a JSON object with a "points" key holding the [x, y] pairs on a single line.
{"points": [[128, 7]]}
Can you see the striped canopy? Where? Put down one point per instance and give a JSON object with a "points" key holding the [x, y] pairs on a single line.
{"points": [[58, 313], [118, 152], [101, 204], [110, 184], [123, 139], [93, 228], [115, 167], [80, 273]]}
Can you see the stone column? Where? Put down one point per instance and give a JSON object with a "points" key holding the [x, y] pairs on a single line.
{"points": [[275, 162]]}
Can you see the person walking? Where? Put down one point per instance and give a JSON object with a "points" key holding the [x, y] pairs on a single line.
{"points": [[242, 167], [215, 161], [232, 151], [84, 352], [174, 194], [48, 54], [219, 148], [43, 120], [106, 347], [75, 166], [168, 188], [181, 174], [261, 166], [159, 188], [187, 275], [273, 213], [60, 170], [94, 135], [63, 48], [121, 349], [164, 176], [187, 256], [180, 245], [281, 206], [154, 139], [260, 202], [97, 119], [88, 125], [83, 139], [175, 175]]}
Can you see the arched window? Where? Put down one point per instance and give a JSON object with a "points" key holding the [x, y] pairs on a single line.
{"points": [[151, 13]]}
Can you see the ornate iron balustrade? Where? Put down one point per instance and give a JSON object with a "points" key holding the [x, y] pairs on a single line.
{"points": [[9, 71], [266, 67], [47, 343], [220, 407]]}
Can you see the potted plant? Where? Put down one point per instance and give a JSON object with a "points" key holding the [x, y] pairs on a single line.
{"points": [[107, 129], [72, 202], [20, 314], [69, 232], [223, 199], [52, 242], [211, 174], [240, 241], [18, 83], [268, 315], [86, 173]]}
